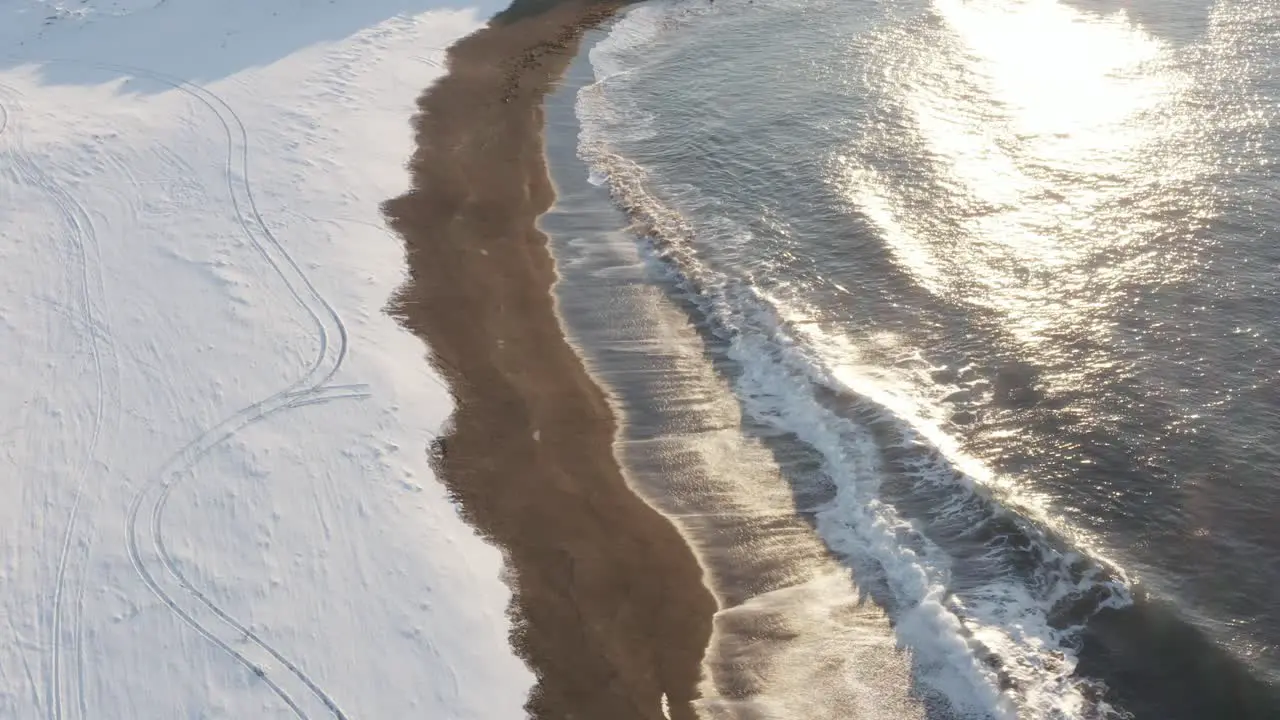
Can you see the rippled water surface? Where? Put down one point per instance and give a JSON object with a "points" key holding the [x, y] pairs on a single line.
{"points": [[991, 287]]}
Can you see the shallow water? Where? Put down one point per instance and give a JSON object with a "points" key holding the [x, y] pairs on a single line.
{"points": [[946, 331]]}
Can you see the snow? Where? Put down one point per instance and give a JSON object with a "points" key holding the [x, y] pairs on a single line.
{"points": [[216, 496]]}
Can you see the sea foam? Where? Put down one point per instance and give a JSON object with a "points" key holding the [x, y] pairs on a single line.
{"points": [[984, 620]]}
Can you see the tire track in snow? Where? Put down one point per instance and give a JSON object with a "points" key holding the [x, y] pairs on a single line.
{"points": [[311, 389], [157, 493], [88, 258], [106, 391], [82, 706]]}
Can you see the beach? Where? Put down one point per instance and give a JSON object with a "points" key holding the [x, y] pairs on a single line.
{"points": [[790, 385], [211, 509], [610, 608]]}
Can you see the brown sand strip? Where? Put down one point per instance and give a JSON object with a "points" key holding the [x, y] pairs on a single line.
{"points": [[610, 608]]}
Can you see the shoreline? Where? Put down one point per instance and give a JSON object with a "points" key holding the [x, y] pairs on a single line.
{"points": [[609, 605], [738, 494]]}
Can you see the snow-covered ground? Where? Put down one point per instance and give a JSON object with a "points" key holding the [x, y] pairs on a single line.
{"points": [[214, 496]]}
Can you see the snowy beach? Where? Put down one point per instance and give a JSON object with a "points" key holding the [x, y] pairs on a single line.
{"points": [[217, 497]]}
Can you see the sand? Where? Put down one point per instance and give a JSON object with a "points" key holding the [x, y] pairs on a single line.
{"points": [[610, 606]]}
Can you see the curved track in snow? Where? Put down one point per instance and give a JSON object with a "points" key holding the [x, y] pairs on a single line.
{"points": [[91, 297], [266, 661], [146, 546]]}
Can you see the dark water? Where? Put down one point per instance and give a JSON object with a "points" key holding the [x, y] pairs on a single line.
{"points": [[947, 330]]}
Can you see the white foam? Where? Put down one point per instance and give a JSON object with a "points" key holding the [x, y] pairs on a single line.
{"points": [[782, 361]]}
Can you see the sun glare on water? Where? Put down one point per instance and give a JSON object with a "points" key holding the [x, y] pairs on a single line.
{"points": [[1045, 138]]}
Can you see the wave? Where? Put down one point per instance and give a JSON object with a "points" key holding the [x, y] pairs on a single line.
{"points": [[988, 599]]}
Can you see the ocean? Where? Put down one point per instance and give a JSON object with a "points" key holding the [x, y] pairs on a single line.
{"points": [[946, 331]]}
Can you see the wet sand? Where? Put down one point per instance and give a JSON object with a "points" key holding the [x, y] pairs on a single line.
{"points": [[610, 607]]}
